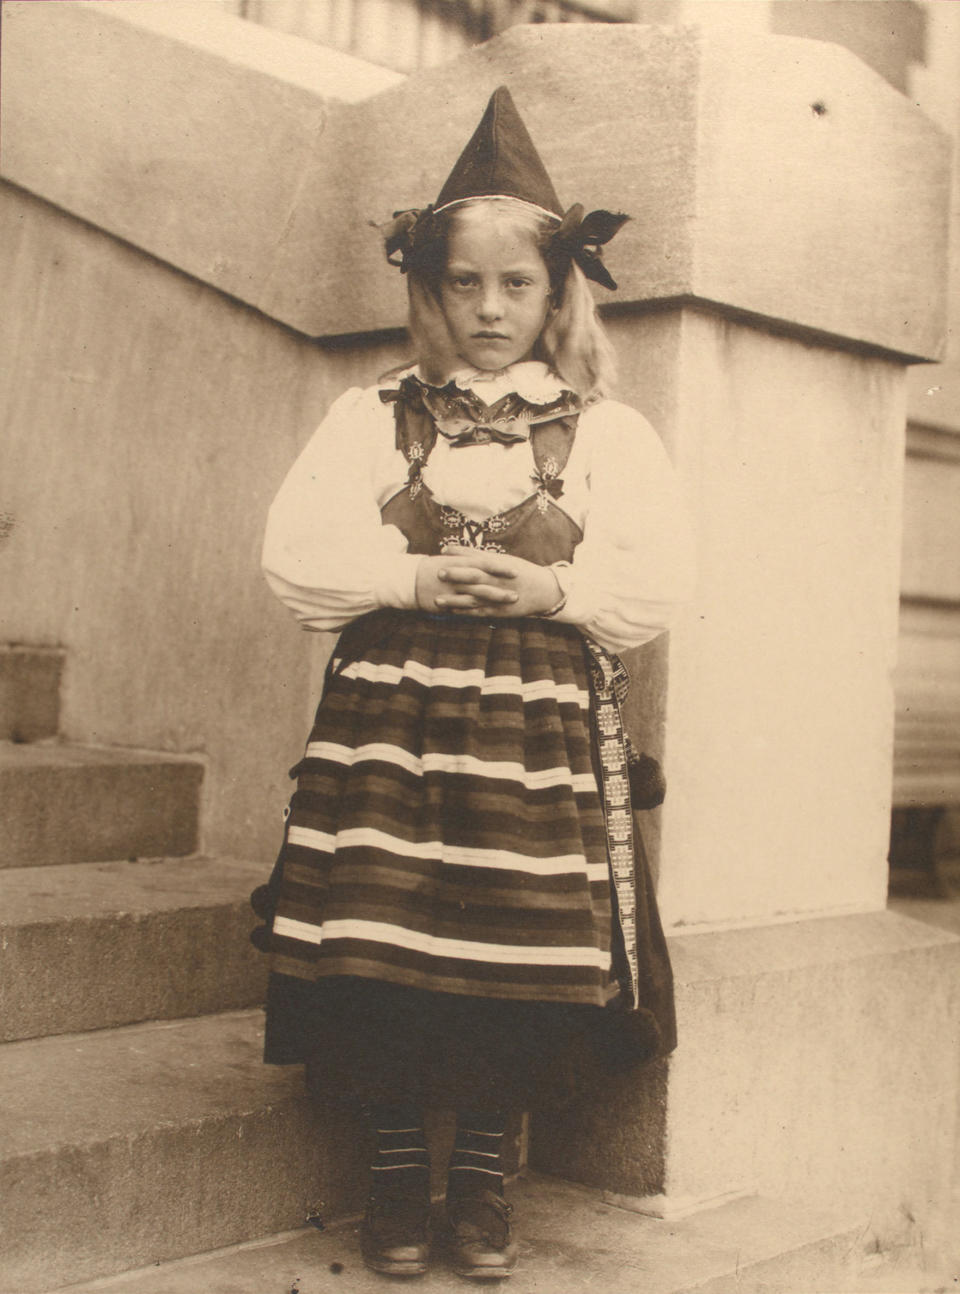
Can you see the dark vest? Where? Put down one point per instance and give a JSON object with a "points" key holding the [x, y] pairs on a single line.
{"points": [[536, 529]]}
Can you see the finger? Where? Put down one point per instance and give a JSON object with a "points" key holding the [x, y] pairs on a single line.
{"points": [[486, 611], [476, 582], [492, 595], [482, 595], [493, 563], [463, 575], [489, 611], [455, 601]]}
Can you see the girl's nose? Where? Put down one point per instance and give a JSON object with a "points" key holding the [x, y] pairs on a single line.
{"points": [[490, 304]]}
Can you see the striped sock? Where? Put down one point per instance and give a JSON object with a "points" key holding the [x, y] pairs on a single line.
{"points": [[475, 1164], [401, 1161]]}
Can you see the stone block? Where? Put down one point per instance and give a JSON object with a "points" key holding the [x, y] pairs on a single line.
{"points": [[931, 524], [816, 1059], [125, 1148], [265, 189], [570, 1241], [114, 943], [775, 701], [927, 686], [249, 103], [71, 804], [146, 540], [29, 692]]}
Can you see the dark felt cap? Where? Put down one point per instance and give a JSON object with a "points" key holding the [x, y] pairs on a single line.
{"points": [[500, 161]]}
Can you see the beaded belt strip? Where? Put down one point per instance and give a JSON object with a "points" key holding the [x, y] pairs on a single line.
{"points": [[610, 684]]}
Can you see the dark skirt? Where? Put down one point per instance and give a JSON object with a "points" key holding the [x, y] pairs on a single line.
{"points": [[368, 1043], [443, 924]]}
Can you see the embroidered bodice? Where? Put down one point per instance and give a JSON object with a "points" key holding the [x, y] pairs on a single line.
{"points": [[537, 528], [348, 529]]}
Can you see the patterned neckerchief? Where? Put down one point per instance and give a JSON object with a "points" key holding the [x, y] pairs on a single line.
{"points": [[462, 417]]}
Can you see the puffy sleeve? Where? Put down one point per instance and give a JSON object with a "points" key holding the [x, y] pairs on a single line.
{"points": [[634, 567], [326, 554]]}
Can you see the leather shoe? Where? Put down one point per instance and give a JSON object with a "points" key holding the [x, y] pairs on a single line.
{"points": [[395, 1238], [480, 1242]]}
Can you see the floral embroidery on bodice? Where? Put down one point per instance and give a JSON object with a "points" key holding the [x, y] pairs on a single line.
{"points": [[536, 528]]}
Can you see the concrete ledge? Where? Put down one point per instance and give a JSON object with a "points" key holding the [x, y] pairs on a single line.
{"points": [[569, 1242], [815, 1057], [176, 127], [29, 692], [71, 804], [262, 185], [128, 1147], [113, 943]]}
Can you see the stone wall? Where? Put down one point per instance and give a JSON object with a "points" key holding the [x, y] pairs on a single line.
{"points": [[148, 420]]}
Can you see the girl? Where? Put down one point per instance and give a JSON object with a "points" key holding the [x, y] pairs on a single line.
{"points": [[461, 914]]}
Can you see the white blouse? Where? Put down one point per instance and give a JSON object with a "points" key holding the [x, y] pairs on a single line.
{"points": [[327, 556]]}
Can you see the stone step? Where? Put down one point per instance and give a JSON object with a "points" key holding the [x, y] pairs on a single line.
{"points": [[74, 804], [570, 1241], [29, 692], [92, 946], [133, 1146]]}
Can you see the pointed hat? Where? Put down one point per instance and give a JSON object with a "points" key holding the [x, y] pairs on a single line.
{"points": [[500, 161]]}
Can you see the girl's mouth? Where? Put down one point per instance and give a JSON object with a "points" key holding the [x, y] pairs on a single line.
{"points": [[490, 336]]}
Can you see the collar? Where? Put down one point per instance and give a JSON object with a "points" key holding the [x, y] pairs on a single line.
{"points": [[532, 380]]}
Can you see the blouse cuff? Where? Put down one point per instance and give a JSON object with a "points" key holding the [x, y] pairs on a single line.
{"points": [[580, 605], [396, 584]]}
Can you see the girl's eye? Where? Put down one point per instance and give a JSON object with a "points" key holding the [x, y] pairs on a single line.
{"points": [[518, 285], [461, 281]]}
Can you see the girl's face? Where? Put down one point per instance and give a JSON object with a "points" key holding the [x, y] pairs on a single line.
{"points": [[495, 291]]}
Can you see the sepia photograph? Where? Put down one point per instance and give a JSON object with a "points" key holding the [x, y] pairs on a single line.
{"points": [[479, 646]]}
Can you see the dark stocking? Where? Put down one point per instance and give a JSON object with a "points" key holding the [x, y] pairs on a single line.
{"points": [[476, 1163], [401, 1161]]}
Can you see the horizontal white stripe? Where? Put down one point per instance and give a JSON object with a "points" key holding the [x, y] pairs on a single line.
{"points": [[438, 851], [437, 946], [310, 838], [439, 762], [474, 1168], [489, 685]]}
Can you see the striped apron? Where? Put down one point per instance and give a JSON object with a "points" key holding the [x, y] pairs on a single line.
{"points": [[452, 829]]}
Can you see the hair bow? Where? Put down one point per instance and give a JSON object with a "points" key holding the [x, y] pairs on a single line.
{"points": [[403, 232], [581, 237], [468, 431]]}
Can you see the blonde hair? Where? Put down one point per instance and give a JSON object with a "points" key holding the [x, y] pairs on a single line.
{"points": [[573, 341]]}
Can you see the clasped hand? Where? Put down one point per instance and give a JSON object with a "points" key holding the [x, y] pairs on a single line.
{"points": [[472, 581]]}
